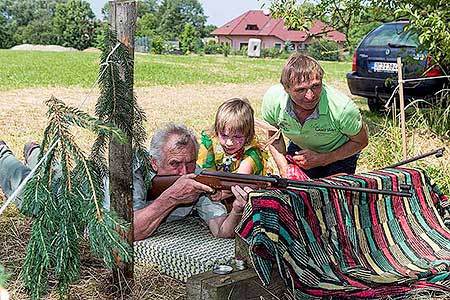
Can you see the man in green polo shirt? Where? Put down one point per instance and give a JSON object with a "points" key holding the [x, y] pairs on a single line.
{"points": [[324, 126]]}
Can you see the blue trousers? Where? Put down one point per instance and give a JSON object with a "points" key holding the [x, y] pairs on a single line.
{"points": [[347, 165], [13, 171]]}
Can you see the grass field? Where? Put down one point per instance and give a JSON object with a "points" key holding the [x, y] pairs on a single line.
{"points": [[25, 69], [185, 89]]}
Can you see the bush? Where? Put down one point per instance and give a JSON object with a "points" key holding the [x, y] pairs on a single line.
{"points": [[270, 52], [226, 49], [189, 39], [323, 49], [242, 52], [211, 47], [274, 53], [158, 45], [288, 46]]}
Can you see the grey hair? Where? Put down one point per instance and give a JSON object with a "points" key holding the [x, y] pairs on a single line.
{"points": [[162, 135]]}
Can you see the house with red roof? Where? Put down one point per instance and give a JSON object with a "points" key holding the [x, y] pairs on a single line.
{"points": [[272, 32]]}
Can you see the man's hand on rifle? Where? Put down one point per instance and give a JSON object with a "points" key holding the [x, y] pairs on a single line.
{"points": [[241, 195], [186, 190], [308, 159], [220, 195]]}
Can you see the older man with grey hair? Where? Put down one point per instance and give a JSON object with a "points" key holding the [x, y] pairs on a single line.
{"points": [[173, 151]]}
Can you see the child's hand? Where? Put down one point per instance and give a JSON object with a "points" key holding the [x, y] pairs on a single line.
{"points": [[241, 195], [287, 166]]}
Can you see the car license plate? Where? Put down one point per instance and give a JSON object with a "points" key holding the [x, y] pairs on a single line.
{"points": [[379, 66]]}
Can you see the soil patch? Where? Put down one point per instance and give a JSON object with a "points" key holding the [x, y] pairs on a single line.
{"points": [[56, 48]]}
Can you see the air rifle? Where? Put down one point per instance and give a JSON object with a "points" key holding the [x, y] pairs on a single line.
{"points": [[224, 181]]}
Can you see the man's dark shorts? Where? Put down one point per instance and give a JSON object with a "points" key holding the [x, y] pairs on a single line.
{"points": [[347, 165]]}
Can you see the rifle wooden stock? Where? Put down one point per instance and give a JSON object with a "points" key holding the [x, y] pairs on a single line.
{"points": [[224, 181], [215, 180]]}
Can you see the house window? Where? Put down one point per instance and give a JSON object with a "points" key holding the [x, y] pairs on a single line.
{"points": [[242, 45], [251, 27], [277, 45]]}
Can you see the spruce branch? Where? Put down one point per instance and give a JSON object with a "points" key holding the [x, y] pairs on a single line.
{"points": [[115, 104], [65, 199], [3, 276]]}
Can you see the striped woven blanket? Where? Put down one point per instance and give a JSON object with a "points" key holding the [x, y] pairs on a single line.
{"points": [[339, 244]]}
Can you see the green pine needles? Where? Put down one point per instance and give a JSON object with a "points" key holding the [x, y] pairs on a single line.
{"points": [[65, 199], [65, 196], [117, 105], [3, 276]]}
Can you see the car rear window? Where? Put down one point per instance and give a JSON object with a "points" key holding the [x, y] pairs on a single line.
{"points": [[392, 35]]}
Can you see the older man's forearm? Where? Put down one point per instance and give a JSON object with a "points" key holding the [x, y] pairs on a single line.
{"points": [[148, 219]]}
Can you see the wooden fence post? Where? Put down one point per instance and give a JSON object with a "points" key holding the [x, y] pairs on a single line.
{"points": [[122, 16], [402, 107]]}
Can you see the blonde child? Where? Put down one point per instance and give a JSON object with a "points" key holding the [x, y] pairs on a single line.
{"points": [[232, 146]]}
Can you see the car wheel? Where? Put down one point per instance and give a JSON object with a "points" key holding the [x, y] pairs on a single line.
{"points": [[374, 104]]}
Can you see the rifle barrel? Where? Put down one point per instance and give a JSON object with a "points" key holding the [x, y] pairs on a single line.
{"points": [[438, 152], [297, 183], [277, 181]]}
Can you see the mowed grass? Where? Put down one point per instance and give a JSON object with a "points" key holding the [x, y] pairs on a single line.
{"points": [[25, 69], [185, 89]]}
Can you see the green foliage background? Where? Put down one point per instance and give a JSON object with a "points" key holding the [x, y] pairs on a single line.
{"points": [[189, 39], [323, 49], [75, 24], [61, 22], [430, 20]]}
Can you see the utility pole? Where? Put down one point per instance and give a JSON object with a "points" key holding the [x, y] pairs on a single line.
{"points": [[122, 17]]}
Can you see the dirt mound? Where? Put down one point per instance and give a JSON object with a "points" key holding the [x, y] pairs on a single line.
{"points": [[55, 48], [92, 49]]}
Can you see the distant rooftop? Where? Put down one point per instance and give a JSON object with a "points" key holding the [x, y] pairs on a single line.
{"points": [[259, 23]]}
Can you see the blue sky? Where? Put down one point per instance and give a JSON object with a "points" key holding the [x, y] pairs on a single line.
{"points": [[218, 11]]}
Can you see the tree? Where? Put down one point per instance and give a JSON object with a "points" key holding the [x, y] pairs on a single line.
{"points": [[143, 7], [342, 15], [430, 20], [173, 15], [189, 39], [6, 40], [207, 30], [27, 21], [323, 49], [75, 24], [146, 25]]}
